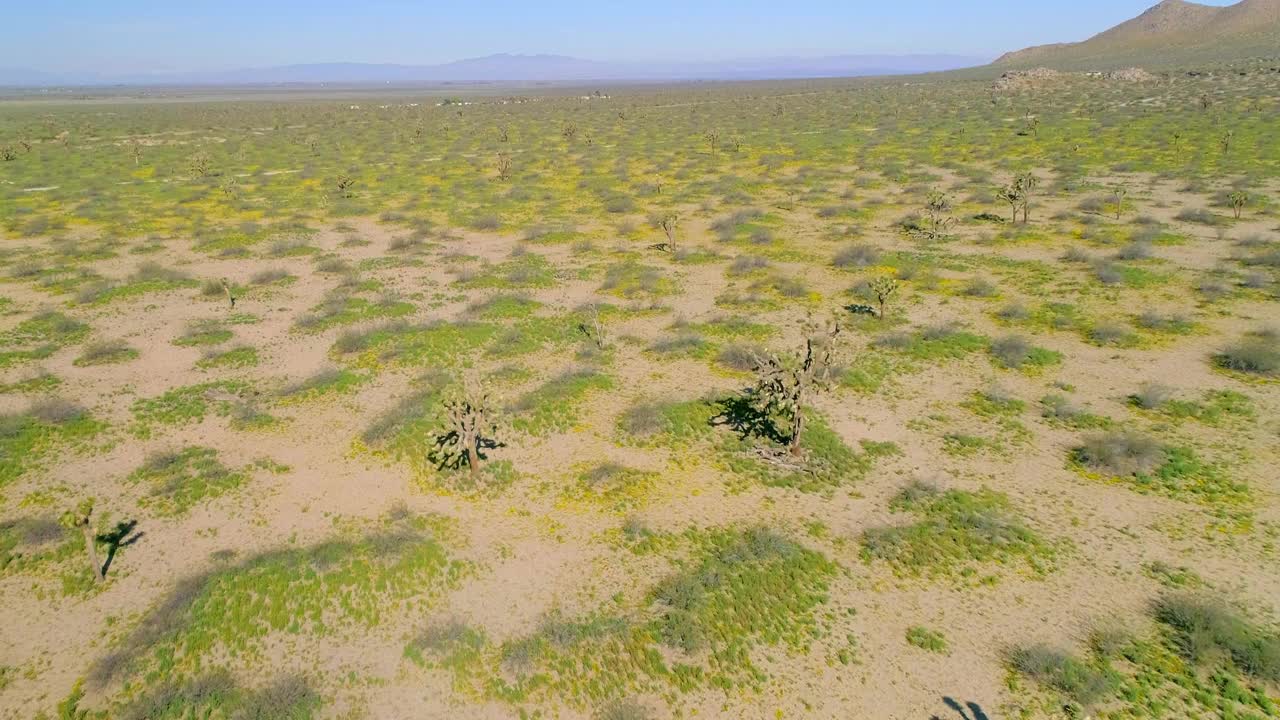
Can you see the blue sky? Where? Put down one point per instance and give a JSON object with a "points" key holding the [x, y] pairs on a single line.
{"points": [[158, 36]]}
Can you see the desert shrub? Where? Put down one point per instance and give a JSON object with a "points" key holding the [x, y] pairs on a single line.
{"points": [[180, 480], [1208, 631], [1080, 682], [1162, 322], [269, 276], [738, 357], [1152, 396], [1013, 312], [856, 256], [1213, 289], [1134, 251], [926, 639], [203, 332], [1077, 255], [1014, 351], [1120, 453], [105, 352], [958, 532], [323, 382], [1254, 355], [744, 264], [1200, 216], [1060, 410], [980, 287], [1108, 333], [1108, 273]]}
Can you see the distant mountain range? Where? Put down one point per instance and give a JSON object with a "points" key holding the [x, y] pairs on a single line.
{"points": [[521, 69], [1173, 32]]}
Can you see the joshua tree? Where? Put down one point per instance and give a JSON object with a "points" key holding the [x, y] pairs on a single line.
{"points": [[471, 428], [668, 224], [595, 330], [713, 139], [783, 386], [200, 164], [504, 167], [7, 153], [1227, 137], [1119, 192], [1238, 199], [1026, 185], [504, 134], [79, 518], [226, 289], [1012, 195], [938, 208], [136, 150], [569, 131], [883, 287], [344, 184]]}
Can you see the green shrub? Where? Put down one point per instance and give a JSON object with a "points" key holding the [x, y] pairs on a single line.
{"points": [[926, 639], [1058, 670]]}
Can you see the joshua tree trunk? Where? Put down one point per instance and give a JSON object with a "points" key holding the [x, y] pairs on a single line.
{"points": [[797, 427], [473, 462], [90, 547]]}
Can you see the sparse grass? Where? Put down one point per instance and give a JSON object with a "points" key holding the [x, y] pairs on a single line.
{"points": [[242, 356], [1149, 466], [960, 534], [106, 352], [554, 406], [39, 337], [30, 439], [926, 639], [186, 405], [325, 382], [203, 333], [179, 481], [1015, 352], [1252, 355], [338, 587], [1082, 683]]}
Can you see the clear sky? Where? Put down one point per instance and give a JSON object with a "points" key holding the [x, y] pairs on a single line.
{"points": [[124, 36]]}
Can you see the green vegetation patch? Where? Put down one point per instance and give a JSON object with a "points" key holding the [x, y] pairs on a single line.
{"points": [[29, 439], [348, 310], [327, 382], [427, 345], [554, 406], [202, 333], [39, 337], [237, 357], [180, 480], [825, 463], [613, 486], [1149, 466], [529, 270], [926, 639], [739, 593], [339, 587], [959, 534], [633, 280], [187, 405], [1204, 658]]}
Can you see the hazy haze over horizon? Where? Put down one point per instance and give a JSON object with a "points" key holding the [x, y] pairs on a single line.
{"points": [[153, 37]]}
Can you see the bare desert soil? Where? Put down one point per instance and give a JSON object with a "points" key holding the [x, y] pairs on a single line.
{"points": [[328, 566]]}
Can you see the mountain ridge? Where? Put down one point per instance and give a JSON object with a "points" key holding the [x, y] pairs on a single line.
{"points": [[1168, 33]]}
